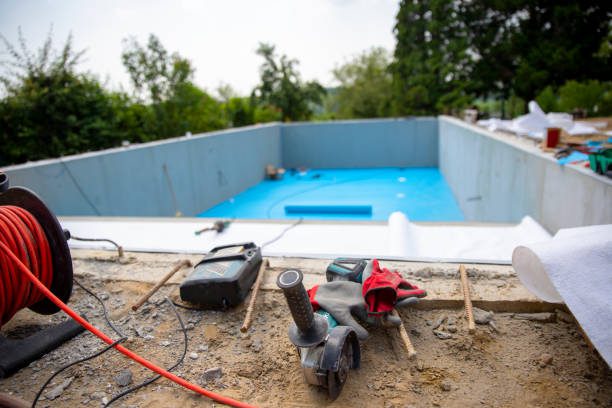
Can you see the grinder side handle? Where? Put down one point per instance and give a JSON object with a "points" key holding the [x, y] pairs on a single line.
{"points": [[309, 329]]}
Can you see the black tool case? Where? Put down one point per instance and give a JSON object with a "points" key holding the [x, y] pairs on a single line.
{"points": [[223, 278]]}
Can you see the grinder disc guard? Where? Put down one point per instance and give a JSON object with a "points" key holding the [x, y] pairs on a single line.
{"points": [[336, 379]]}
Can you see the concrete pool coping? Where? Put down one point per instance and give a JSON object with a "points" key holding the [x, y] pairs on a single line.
{"points": [[312, 238], [285, 221]]}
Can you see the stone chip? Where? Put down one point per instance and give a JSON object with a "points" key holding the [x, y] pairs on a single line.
{"points": [[213, 374], [482, 316], [59, 389], [124, 378]]}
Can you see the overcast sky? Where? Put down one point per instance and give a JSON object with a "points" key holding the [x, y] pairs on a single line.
{"points": [[219, 37]]}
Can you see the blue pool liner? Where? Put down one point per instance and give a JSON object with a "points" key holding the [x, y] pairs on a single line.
{"points": [[421, 193]]}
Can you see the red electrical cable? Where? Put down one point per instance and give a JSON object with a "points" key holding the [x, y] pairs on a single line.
{"points": [[22, 235], [21, 232]]}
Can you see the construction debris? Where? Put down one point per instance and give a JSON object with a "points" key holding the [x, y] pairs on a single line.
{"points": [[213, 374], [124, 378], [564, 317], [545, 360], [446, 386], [535, 123], [438, 323], [442, 335], [482, 316], [536, 317], [59, 389], [473, 365]]}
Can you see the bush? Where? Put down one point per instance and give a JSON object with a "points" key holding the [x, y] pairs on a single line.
{"points": [[51, 110], [267, 113], [547, 100], [593, 97], [515, 106]]}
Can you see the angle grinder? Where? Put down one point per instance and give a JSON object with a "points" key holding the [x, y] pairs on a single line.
{"points": [[346, 269], [327, 351]]}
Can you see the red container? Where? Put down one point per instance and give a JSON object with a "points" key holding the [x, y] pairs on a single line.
{"points": [[552, 137]]}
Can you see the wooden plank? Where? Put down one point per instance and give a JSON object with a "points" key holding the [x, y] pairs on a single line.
{"points": [[493, 287]]}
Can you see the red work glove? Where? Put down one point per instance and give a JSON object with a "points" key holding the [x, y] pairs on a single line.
{"points": [[383, 290]]}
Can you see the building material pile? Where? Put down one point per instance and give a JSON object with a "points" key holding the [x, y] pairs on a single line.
{"points": [[535, 123], [587, 142]]}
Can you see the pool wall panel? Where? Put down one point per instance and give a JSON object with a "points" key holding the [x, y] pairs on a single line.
{"points": [[494, 178], [203, 170], [500, 179], [400, 142]]}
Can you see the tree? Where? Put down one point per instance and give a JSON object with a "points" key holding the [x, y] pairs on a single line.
{"points": [[449, 51], [166, 82], [489, 29], [238, 111], [431, 59], [50, 109], [155, 74], [282, 87], [559, 41], [591, 97], [365, 86], [548, 100], [189, 109], [134, 120], [411, 74]]}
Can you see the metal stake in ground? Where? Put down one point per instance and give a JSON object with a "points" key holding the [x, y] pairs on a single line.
{"points": [[184, 262], [249, 312], [110, 241], [404, 336], [469, 313]]}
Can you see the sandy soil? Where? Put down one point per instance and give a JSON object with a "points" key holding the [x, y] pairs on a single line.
{"points": [[526, 364]]}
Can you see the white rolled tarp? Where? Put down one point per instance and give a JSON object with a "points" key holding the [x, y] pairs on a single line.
{"points": [[575, 267], [401, 239]]}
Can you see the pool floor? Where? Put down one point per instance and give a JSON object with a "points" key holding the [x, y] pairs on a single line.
{"points": [[346, 194]]}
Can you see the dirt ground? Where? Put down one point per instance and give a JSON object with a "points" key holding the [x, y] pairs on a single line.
{"points": [[526, 364]]}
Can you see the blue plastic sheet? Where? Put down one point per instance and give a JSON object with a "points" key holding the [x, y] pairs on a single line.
{"points": [[573, 157]]}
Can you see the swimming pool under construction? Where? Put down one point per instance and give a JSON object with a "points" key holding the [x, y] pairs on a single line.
{"points": [[442, 202], [407, 187]]}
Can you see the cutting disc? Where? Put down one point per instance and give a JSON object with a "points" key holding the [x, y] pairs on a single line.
{"points": [[336, 379]]}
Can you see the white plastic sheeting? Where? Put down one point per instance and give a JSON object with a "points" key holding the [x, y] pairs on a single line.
{"points": [[397, 239], [401, 236], [574, 267], [535, 123]]}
